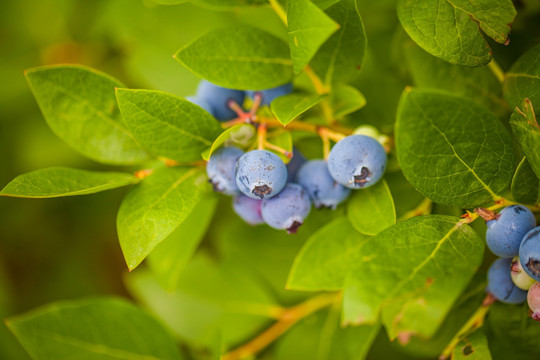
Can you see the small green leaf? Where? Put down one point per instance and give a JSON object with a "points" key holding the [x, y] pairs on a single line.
{"points": [[525, 184], [346, 99], [450, 29], [79, 106], [341, 57], [170, 2], [472, 347], [523, 79], [155, 208], [241, 58], [227, 4], [167, 125], [327, 257], [101, 328], [372, 210], [527, 131], [411, 273], [168, 259], [288, 107], [61, 181], [240, 135], [451, 149], [284, 140], [308, 28]]}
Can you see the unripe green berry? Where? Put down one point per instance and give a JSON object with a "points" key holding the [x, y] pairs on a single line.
{"points": [[520, 277]]}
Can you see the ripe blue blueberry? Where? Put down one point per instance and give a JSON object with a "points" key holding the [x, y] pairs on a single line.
{"points": [[288, 209], [218, 97], [500, 283], [323, 190], [260, 174], [296, 162], [357, 161], [529, 253], [270, 94], [202, 103], [248, 209], [505, 232], [220, 169]]}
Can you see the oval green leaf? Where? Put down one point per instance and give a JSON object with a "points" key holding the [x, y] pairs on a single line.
{"points": [[242, 57], [452, 150], [346, 99], [286, 108], [527, 131], [525, 184], [523, 79]]}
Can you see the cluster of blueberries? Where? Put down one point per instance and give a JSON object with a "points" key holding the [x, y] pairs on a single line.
{"points": [[512, 235], [268, 191]]}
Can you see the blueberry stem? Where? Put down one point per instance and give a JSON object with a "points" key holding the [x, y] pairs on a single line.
{"points": [[141, 174], [276, 6], [261, 136], [269, 145], [288, 318]]}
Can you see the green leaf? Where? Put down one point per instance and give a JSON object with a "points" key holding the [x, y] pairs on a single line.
{"points": [[79, 106], [320, 336], [62, 181], [472, 347], [170, 2], [288, 107], [476, 83], [450, 29], [451, 149], [346, 99], [238, 135], [372, 210], [411, 273], [154, 209], [523, 79], [327, 257], [527, 131], [308, 28], [167, 125], [525, 184], [226, 4], [100, 328], [169, 258], [210, 298], [241, 58], [341, 57], [284, 140]]}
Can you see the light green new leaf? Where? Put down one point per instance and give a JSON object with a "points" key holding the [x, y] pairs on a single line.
{"points": [[341, 57], [227, 4], [211, 298], [242, 57], [170, 2], [238, 135], [411, 273], [286, 108], [472, 347], [372, 210], [100, 328], [155, 208], [169, 258], [452, 150], [525, 184], [62, 181], [167, 125], [327, 257], [450, 29], [523, 79], [308, 28], [527, 131], [80, 107], [346, 99]]}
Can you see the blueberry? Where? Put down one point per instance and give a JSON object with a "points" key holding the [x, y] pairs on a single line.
{"points": [[505, 232], [202, 103], [529, 253], [218, 98], [533, 298], [357, 161], [520, 277], [270, 94], [500, 283], [292, 167], [323, 190], [288, 209], [260, 174], [220, 169], [248, 209]]}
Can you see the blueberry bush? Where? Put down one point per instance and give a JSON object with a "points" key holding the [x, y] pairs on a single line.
{"points": [[327, 191]]}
